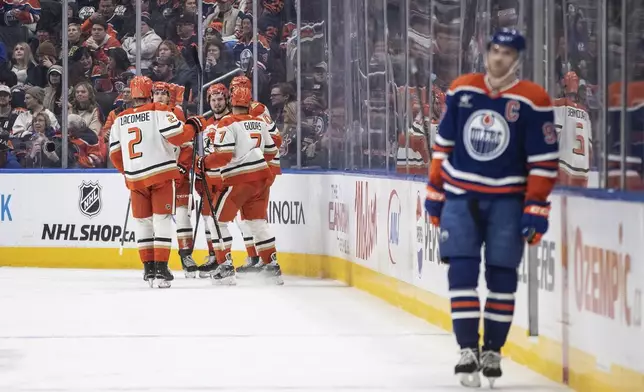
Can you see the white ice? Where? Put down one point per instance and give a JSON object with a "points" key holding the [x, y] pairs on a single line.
{"points": [[99, 330]]}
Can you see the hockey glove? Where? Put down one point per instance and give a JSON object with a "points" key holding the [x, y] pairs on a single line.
{"points": [[434, 204], [184, 174], [198, 122], [534, 222]]}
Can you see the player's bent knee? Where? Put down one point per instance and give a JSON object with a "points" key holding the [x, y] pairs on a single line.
{"points": [[463, 273], [259, 229], [501, 279]]}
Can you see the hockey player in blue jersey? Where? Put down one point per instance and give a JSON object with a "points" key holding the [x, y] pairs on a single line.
{"points": [[494, 164]]}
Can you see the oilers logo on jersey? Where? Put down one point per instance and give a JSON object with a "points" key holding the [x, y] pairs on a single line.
{"points": [[486, 135]]}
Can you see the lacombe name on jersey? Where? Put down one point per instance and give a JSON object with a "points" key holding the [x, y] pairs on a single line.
{"points": [[135, 118]]}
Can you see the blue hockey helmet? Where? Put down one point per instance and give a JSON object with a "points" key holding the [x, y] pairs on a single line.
{"points": [[508, 37]]}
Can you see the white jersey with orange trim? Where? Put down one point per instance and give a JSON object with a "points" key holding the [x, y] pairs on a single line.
{"points": [[574, 131], [208, 134], [413, 158], [142, 144], [242, 148], [259, 110]]}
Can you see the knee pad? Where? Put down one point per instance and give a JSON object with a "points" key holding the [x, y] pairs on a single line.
{"points": [[501, 279], [144, 229], [259, 229], [182, 218], [162, 225], [463, 273]]}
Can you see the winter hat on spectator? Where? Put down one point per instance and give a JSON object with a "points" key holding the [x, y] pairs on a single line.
{"points": [[54, 69], [46, 49], [37, 92], [145, 18], [5, 89]]}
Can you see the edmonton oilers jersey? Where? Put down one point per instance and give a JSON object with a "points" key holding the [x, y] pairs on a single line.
{"points": [[493, 145]]}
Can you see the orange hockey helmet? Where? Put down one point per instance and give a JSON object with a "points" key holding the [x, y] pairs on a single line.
{"points": [[571, 82], [141, 87], [240, 81], [161, 86], [241, 96], [218, 88]]}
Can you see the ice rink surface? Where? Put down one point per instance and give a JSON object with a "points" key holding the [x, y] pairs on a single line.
{"points": [[100, 330]]}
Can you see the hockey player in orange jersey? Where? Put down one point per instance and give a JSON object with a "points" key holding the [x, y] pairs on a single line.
{"points": [[574, 131], [142, 141], [217, 96], [166, 94], [241, 149], [260, 111]]}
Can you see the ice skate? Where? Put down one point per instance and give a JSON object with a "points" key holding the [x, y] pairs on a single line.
{"points": [[467, 368], [163, 276], [188, 264], [148, 272], [272, 272], [250, 266], [224, 275], [491, 366], [206, 269]]}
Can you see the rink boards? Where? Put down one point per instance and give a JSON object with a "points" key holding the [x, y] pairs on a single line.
{"points": [[372, 233]]}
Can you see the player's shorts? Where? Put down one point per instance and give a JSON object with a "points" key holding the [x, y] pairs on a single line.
{"points": [[156, 199], [183, 192], [468, 224], [251, 199]]}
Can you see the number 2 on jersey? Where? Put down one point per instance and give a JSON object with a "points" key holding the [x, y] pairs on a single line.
{"points": [[138, 138]]}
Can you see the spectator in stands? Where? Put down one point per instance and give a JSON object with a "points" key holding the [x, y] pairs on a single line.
{"points": [[284, 113], [24, 65], [36, 153], [117, 74], [211, 35], [187, 38], [46, 55], [150, 41], [74, 33], [81, 64], [89, 150], [8, 114], [34, 97], [218, 61], [84, 104], [7, 158], [184, 75], [99, 43], [106, 16], [53, 91], [229, 17]]}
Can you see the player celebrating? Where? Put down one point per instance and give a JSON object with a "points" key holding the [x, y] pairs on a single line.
{"points": [[242, 147], [574, 129], [165, 93], [217, 96], [259, 110], [148, 133], [495, 163]]}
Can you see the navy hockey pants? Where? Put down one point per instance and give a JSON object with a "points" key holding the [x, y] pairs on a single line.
{"points": [[468, 224]]}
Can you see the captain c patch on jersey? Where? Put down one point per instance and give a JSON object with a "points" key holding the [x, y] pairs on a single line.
{"points": [[486, 135]]}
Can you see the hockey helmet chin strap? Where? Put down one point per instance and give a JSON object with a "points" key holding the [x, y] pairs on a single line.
{"points": [[499, 83]]}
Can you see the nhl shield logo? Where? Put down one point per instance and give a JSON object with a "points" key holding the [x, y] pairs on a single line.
{"points": [[89, 199]]}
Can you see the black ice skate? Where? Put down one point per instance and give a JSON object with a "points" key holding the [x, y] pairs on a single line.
{"points": [[224, 275], [467, 368], [188, 264], [163, 276], [491, 366], [272, 271], [207, 268], [251, 263], [148, 272]]}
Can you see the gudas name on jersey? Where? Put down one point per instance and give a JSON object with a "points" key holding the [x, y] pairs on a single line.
{"points": [[576, 113], [252, 126], [135, 118]]}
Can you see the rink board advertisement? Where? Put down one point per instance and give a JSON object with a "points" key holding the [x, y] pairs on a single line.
{"points": [[373, 233]]}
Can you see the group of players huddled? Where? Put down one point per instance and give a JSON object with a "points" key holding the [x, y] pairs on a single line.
{"points": [[154, 146]]}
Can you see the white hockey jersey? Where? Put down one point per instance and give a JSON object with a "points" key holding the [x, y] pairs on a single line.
{"points": [[242, 148], [142, 144], [412, 153], [574, 132], [259, 110]]}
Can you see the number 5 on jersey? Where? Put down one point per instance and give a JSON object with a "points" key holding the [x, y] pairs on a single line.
{"points": [[136, 140]]}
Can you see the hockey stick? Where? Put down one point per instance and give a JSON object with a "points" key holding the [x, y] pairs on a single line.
{"points": [[127, 216], [194, 234], [206, 189]]}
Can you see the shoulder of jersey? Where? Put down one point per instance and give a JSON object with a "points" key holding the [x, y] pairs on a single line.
{"points": [[531, 92], [233, 118], [468, 82], [257, 108]]}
